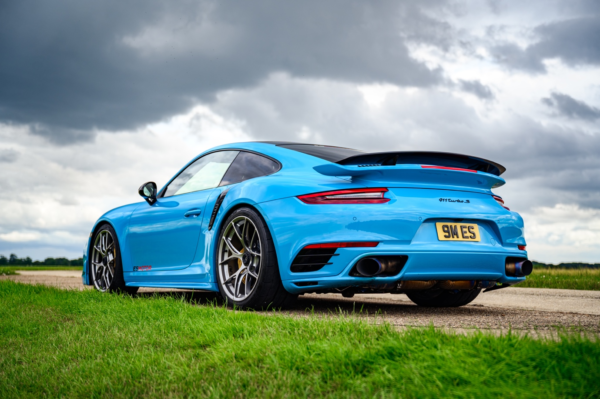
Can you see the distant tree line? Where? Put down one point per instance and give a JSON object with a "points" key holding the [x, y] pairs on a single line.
{"points": [[573, 265], [14, 260]]}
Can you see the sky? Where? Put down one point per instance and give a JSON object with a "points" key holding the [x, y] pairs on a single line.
{"points": [[99, 97]]}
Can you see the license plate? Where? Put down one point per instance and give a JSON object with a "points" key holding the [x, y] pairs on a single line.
{"points": [[457, 232]]}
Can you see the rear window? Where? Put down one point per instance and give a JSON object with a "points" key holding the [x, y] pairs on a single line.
{"points": [[328, 153], [248, 165]]}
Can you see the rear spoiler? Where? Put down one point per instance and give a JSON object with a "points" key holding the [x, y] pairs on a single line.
{"points": [[446, 159], [419, 168]]}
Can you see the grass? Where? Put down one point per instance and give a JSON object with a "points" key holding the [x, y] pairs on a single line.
{"points": [[74, 344], [11, 270], [571, 279]]}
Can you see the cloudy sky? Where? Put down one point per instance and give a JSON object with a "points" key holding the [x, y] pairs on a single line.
{"points": [[99, 97]]}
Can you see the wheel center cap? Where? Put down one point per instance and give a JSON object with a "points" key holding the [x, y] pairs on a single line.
{"points": [[246, 258]]}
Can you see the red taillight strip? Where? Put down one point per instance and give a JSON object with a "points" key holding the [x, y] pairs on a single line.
{"points": [[448, 168], [352, 196], [522, 247], [501, 202], [343, 245]]}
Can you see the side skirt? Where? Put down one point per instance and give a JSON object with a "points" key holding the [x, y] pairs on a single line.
{"points": [[192, 286]]}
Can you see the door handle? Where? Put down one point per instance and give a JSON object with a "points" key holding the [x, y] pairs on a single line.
{"points": [[192, 212]]}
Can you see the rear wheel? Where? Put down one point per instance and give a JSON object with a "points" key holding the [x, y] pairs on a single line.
{"points": [[443, 299], [106, 269], [247, 269]]}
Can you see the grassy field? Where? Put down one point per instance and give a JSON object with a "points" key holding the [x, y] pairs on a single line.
{"points": [[571, 279], [10, 270], [83, 343]]}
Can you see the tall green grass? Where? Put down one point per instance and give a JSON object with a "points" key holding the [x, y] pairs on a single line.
{"points": [[571, 279], [86, 344]]}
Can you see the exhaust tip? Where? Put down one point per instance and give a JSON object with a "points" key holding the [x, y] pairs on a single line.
{"points": [[525, 267], [368, 267], [518, 267]]}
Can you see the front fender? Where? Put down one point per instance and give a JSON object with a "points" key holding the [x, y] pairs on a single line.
{"points": [[118, 218]]}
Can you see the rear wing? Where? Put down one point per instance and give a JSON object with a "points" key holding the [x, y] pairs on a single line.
{"points": [[420, 169], [447, 159]]}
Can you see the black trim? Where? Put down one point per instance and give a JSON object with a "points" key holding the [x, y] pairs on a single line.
{"points": [[311, 260], [306, 283], [439, 158], [213, 215], [497, 287], [326, 152]]}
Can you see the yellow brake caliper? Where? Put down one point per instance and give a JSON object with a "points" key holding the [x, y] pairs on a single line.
{"points": [[240, 265]]}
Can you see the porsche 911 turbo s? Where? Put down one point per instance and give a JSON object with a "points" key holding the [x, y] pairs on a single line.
{"points": [[263, 222]]}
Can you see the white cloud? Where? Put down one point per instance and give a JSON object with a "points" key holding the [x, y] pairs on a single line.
{"points": [[52, 195], [563, 233]]}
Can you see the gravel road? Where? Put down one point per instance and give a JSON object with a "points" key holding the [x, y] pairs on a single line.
{"points": [[523, 310]]}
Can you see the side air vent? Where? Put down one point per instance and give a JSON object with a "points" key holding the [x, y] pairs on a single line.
{"points": [[310, 260], [368, 165]]}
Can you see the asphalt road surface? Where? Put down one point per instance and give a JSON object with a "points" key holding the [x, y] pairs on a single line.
{"points": [[536, 311]]}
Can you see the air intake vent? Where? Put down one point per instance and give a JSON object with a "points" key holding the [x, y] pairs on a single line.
{"points": [[310, 260], [368, 165]]}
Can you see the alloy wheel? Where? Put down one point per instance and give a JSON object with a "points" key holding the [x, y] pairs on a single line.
{"points": [[240, 259], [103, 258]]}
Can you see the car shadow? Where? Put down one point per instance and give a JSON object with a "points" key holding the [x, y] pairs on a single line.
{"points": [[331, 306]]}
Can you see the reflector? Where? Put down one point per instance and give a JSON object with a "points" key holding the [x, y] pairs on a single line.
{"points": [[343, 245]]}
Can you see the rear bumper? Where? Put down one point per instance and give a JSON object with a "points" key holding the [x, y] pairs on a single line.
{"points": [[403, 226], [421, 265]]}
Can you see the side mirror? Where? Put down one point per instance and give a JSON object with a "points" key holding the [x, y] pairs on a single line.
{"points": [[148, 192]]}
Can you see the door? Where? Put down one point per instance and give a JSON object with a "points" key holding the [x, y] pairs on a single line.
{"points": [[164, 236]]}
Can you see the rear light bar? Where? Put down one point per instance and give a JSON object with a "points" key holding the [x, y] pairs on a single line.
{"points": [[522, 247], [500, 201], [353, 196], [447, 168], [343, 245]]}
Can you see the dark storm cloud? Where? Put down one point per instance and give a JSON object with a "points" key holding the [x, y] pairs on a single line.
{"points": [[477, 88], [574, 41], [568, 106], [71, 66], [557, 158]]}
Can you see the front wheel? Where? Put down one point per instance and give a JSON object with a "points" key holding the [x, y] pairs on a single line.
{"points": [[247, 269], [106, 270], [443, 299]]}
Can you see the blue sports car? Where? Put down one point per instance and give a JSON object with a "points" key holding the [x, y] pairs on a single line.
{"points": [[263, 222]]}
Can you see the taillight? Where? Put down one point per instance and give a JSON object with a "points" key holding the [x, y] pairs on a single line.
{"points": [[355, 244], [522, 247], [500, 201], [353, 196]]}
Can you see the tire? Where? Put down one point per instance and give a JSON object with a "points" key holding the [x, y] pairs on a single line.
{"points": [[106, 269], [443, 299], [246, 264]]}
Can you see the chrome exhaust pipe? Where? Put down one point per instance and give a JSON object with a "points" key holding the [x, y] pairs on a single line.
{"points": [[517, 268], [369, 267], [386, 265]]}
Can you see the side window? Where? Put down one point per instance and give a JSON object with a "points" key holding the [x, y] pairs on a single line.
{"points": [[204, 173], [248, 166]]}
